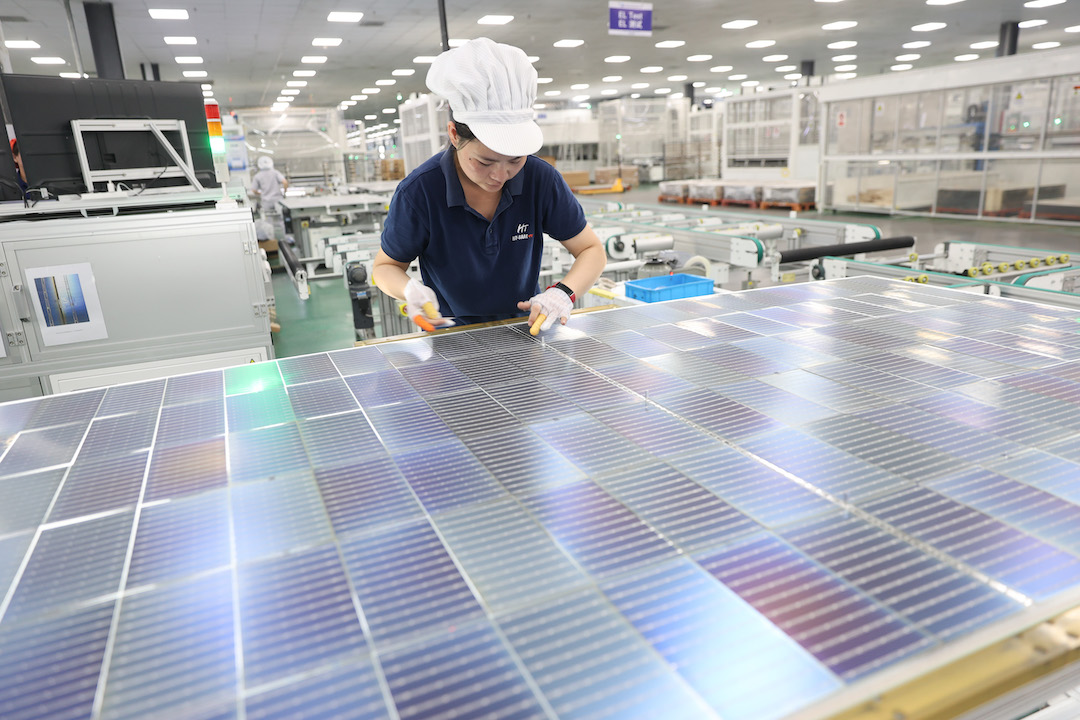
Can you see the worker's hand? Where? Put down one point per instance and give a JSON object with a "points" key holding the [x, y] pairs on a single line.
{"points": [[421, 300], [553, 303]]}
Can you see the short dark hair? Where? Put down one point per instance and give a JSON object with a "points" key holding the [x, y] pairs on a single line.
{"points": [[463, 131]]}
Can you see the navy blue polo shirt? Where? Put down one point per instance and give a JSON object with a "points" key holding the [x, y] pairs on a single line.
{"points": [[479, 270]]}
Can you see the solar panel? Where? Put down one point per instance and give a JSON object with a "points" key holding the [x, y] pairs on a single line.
{"points": [[740, 506]]}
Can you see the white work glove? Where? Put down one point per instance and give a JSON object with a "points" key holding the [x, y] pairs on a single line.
{"points": [[553, 302], [421, 300]]}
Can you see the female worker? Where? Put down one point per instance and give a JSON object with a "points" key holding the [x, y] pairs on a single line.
{"points": [[476, 214]]}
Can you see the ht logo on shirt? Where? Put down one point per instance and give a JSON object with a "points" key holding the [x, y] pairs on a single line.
{"points": [[522, 233]]}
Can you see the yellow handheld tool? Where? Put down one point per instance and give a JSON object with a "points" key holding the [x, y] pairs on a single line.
{"points": [[535, 329]]}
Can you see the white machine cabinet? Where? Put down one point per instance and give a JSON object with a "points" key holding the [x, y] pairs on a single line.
{"points": [[169, 287]]}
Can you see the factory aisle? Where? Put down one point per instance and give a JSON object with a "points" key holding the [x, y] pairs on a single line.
{"points": [[324, 321]]}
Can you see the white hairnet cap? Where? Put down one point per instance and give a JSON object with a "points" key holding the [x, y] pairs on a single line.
{"points": [[265, 162], [491, 87]]}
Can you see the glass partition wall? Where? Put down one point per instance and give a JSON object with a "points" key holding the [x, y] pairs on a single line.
{"points": [[1009, 150]]}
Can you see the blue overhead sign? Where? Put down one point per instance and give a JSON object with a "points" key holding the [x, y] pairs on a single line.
{"points": [[629, 18]]}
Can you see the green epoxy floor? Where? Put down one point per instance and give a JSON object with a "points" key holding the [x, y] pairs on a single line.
{"points": [[320, 323]]}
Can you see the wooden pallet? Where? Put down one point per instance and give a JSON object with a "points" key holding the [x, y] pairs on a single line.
{"points": [[704, 201], [753, 204], [797, 207], [673, 199]]}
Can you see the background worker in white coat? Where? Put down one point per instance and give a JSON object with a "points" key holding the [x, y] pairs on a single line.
{"points": [[476, 214], [269, 185]]}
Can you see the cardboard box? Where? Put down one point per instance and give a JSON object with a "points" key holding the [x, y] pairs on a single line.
{"points": [[576, 178], [549, 159], [392, 169], [607, 175]]}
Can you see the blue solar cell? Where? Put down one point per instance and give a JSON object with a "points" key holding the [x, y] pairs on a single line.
{"points": [[597, 667], [65, 409], [322, 397], [774, 402], [191, 423], [175, 652], [521, 461], [269, 452], [24, 500], [717, 414], [39, 449], [733, 357], [49, 669], [345, 439], [755, 323], [184, 389], [1053, 474], [186, 469], [138, 397], [13, 418], [659, 433], [590, 351], [897, 454], [916, 371], [775, 348], [473, 412], [956, 439], [874, 381], [72, 565], [691, 369], [716, 330], [366, 495], [407, 583], [510, 558], [406, 353], [590, 444], [679, 338], [407, 426], [359, 360], [307, 368], [466, 674], [703, 630], [1058, 388], [988, 419], [118, 435], [437, 378], [258, 409], [323, 695], [99, 485], [447, 476], [181, 538], [596, 529], [997, 353], [381, 388], [644, 378], [592, 392], [634, 344], [280, 515], [13, 549], [296, 614]]}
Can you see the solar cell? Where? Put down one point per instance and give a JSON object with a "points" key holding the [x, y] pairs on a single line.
{"points": [[733, 506]]}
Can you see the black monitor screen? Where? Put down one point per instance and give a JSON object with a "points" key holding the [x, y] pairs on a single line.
{"points": [[42, 109]]}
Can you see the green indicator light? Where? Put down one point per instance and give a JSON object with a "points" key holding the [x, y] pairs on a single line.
{"points": [[217, 145], [1057, 121], [1027, 124], [618, 137]]}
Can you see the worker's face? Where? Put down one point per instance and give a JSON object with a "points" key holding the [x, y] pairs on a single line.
{"points": [[485, 168]]}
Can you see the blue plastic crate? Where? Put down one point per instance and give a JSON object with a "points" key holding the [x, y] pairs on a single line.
{"points": [[668, 287]]}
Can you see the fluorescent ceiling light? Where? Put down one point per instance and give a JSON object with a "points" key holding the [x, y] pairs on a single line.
{"points": [[580, 86], [635, 96], [1042, 3], [740, 76], [845, 68], [966, 58], [189, 60], [609, 91], [699, 58], [358, 97], [676, 78], [699, 84], [639, 86], [901, 67], [285, 98], [713, 90], [207, 86], [750, 83], [326, 42], [494, 19], [675, 96], [539, 106], [839, 25], [208, 93], [344, 17], [568, 43], [616, 58], [842, 44], [167, 14], [1045, 45], [611, 78], [828, 1], [945, 2], [424, 59], [739, 24], [388, 111], [928, 27], [843, 58], [845, 76], [386, 82], [348, 103], [371, 91], [1074, 28], [544, 81], [757, 44], [313, 59], [371, 117], [984, 45], [652, 69], [662, 91], [297, 83], [195, 73], [774, 58], [793, 76], [915, 45], [290, 91], [303, 73], [179, 40], [70, 75], [667, 44], [579, 98], [552, 93], [908, 57], [721, 68], [404, 72], [24, 44], [784, 68], [1030, 23]]}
